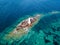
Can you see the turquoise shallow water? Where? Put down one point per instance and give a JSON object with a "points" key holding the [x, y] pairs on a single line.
{"points": [[45, 32]]}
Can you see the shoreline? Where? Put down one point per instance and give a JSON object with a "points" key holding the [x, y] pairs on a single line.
{"points": [[15, 36]]}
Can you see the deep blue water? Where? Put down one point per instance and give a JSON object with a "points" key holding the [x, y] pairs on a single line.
{"points": [[11, 10]]}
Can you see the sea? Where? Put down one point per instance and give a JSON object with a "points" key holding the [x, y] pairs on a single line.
{"points": [[13, 10]]}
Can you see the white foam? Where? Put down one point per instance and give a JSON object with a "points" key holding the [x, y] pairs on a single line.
{"points": [[54, 12], [29, 22]]}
